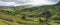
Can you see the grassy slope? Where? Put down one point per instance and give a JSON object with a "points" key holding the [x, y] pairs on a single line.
{"points": [[13, 16]]}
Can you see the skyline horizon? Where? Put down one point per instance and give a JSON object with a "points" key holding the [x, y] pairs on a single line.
{"points": [[27, 2]]}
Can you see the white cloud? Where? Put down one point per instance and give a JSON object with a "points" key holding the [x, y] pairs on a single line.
{"points": [[6, 3], [41, 2], [25, 2]]}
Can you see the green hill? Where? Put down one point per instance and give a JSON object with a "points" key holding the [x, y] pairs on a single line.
{"points": [[27, 15]]}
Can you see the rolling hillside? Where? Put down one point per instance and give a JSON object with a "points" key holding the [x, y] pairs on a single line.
{"points": [[40, 15]]}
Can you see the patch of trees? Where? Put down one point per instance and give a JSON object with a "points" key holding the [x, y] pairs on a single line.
{"points": [[56, 18], [23, 17], [46, 15], [29, 9], [8, 12]]}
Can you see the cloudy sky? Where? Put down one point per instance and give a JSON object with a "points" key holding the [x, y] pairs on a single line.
{"points": [[27, 2]]}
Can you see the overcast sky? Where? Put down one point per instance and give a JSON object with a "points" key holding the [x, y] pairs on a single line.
{"points": [[27, 2]]}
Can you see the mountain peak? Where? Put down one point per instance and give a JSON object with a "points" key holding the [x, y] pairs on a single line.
{"points": [[58, 4]]}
